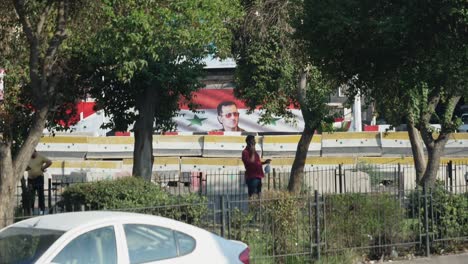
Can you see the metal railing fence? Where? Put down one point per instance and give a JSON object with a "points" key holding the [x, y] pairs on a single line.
{"points": [[372, 209]]}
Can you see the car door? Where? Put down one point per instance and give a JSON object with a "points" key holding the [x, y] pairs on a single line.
{"points": [[98, 246], [156, 244]]}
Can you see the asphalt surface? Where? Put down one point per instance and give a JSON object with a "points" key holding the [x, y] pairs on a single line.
{"points": [[447, 259]]}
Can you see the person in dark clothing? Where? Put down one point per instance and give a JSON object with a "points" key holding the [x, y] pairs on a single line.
{"points": [[36, 168], [253, 167]]}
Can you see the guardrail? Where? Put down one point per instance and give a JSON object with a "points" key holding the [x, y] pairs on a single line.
{"points": [[352, 144]]}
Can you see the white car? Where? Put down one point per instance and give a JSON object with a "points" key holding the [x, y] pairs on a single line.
{"points": [[98, 237]]}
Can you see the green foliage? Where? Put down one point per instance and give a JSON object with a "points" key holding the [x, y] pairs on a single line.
{"points": [[135, 194], [148, 55], [239, 223], [370, 219], [409, 57], [345, 257], [281, 213], [270, 60], [448, 214], [22, 95]]}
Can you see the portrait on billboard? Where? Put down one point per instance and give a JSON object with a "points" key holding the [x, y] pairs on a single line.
{"points": [[228, 116]]}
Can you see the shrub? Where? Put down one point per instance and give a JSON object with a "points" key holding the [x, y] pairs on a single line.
{"points": [[284, 222], [133, 194], [363, 221], [447, 212]]}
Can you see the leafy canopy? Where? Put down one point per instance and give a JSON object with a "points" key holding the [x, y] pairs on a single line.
{"points": [[153, 49]]}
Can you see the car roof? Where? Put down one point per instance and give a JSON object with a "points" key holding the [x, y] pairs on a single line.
{"points": [[69, 221]]}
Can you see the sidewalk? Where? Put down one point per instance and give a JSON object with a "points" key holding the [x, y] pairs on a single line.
{"points": [[447, 259]]}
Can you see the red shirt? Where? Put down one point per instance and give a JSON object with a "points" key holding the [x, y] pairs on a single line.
{"points": [[252, 169]]}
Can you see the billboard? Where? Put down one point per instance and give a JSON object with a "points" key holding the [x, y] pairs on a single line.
{"points": [[219, 110], [232, 116]]}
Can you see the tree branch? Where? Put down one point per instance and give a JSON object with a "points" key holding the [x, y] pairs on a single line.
{"points": [[301, 91], [43, 17], [33, 42], [54, 43], [425, 126], [27, 27]]}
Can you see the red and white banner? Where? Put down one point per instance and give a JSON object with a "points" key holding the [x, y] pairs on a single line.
{"points": [[205, 119]]}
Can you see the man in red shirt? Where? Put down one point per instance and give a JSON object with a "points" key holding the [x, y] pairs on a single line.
{"points": [[253, 167]]}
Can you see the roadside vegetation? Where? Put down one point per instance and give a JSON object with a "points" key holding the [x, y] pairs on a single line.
{"points": [[282, 228]]}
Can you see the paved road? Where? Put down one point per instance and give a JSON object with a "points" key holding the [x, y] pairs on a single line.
{"points": [[448, 259]]}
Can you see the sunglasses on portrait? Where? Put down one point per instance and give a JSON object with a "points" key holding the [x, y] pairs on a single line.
{"points": [[229, 115]]}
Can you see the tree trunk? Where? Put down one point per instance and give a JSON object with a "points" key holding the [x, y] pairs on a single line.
{"points": [[7, 186], [297, 170], [143, 150], [12, 168], [417, 148], [434, 154], [435, 149]]}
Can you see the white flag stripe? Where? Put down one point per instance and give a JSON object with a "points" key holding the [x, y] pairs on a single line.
{"points": [[205, 120]]}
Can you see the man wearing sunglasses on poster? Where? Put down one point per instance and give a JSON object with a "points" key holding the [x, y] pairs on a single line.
{"points": [[228, 116]]}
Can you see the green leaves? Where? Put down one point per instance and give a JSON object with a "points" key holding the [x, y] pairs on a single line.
{"points": [[153, 49]]}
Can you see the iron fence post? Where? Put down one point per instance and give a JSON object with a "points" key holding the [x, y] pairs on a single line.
{"points": [[450, 174], [228, 217], [401, 184], [317, 223], [223, 220], [49, 194], [426, 220], [200, 183], [274, 178], [279, 182], [340, 176], [268, 181], [311, 224]]}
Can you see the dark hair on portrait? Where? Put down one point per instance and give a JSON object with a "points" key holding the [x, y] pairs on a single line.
{"points": [[249, 138], [224, 103]]}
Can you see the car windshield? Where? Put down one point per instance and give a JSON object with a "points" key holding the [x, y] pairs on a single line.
{"points": [[25, 244]]}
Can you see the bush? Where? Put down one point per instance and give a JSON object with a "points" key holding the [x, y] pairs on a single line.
{"points": [[133, 194], [447, 212], [285, 223], [363, 221]]}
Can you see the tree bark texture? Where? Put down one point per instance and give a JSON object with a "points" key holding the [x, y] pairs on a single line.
{"points": [[297, 170], [7, 186], [417, 148], [12, 168], [143, 152], [296, 177], [436, 145]]}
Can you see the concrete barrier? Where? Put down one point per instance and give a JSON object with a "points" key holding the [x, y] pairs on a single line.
{"points": [[85, 170], [110, 147], [351, 144], [227, 146], [396, 144], [63, 147], [191, 145], [286, 146], [457, 145]]}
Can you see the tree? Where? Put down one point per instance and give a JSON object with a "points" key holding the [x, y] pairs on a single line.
{"points": [[33, 37], [147, 57], [273, 72], [409, 56]]}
